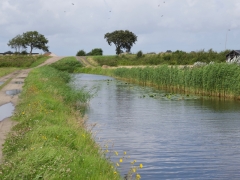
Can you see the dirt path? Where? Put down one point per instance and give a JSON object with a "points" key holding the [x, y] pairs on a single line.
{"points": [[83, 60], [16, 82]]}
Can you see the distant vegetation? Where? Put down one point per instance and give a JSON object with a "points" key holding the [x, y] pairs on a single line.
{"points": [[21, 61], [94, 52], [174, 58], [81, 53]]}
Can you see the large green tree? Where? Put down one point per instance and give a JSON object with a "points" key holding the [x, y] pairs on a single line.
{"points": [[121, 39], [35, 41], [31, 39]]}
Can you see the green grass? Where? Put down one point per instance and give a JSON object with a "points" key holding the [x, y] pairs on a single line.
{"points": [[23, 61], [68, 64], [39, 61], [50, 140], [175, 58], [7, 70]]}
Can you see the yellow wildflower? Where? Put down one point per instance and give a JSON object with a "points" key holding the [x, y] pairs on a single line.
{"points": [[125, 152], [138, 176], [141, 166], [117, 164], [116, 153], [120, 160], [133, 162]]}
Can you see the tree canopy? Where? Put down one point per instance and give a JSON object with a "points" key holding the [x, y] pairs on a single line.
{"points": [[121, 39], [95, 52], [81, 53], [17, 43], [31, 39]]}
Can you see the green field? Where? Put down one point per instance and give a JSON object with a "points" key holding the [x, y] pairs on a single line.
{"points": [[22, 61]]}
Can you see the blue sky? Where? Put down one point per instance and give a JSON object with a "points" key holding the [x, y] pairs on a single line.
{"points": [[72, 25]]}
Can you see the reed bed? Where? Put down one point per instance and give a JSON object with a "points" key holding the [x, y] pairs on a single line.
{"points": [[218, 79]]}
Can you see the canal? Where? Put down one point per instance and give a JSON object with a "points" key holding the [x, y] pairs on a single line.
{"points": [[173, 136]]}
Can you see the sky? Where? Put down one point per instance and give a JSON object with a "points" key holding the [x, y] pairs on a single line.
{"points": [[160, 25]]}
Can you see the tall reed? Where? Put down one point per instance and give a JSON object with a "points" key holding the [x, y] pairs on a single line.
{"points": [[219, 79]]}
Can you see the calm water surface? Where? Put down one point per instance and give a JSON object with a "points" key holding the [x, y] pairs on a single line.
{"points": [[173, 136]]}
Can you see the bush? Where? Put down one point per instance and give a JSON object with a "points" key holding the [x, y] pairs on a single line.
{"points": [[139, 54], [24, 52], [81, 53], [96, 52]]}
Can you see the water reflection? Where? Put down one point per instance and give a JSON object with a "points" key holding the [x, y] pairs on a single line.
{"points": [[6, 111], [174, 138], [13, 92]]}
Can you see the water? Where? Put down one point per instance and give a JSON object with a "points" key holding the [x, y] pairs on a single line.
{"points": [[6, 111], [173, 136], [18, 82], [13, 92], [1, 82]]}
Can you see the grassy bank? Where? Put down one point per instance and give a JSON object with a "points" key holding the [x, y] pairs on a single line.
{"points": [[218, 79], [8, 70], [174, 58], [21, 61], [68, 64], [50, 140]]}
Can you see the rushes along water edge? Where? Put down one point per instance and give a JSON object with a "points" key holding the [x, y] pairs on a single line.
{"points": [[217, 79]]}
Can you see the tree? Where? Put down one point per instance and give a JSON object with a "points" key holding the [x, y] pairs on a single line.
{"points": [[17, 43], [81, 53], [121, 39], [139, 54], [96, 52], [32, 39], [35, 41]]}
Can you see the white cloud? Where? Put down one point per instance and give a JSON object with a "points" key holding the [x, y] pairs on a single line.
{"points": [[185, 25]]}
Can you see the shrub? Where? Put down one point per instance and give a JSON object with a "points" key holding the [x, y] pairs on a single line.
{"points": [[95, 52], [139, 54], [24, 52], [81, 53]]}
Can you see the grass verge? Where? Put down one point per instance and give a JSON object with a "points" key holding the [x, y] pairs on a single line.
{"points": [[23, 61], [50, 140], [39, 61], [7, 70], [68, 64]]}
